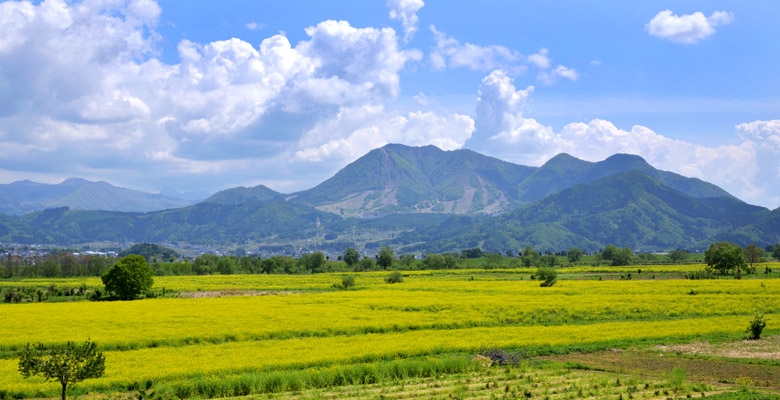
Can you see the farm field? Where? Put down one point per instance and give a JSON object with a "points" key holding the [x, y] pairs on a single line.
{"points": [[318, 341]]}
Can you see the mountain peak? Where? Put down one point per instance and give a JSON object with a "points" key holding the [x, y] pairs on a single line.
{"points": [[241, 194]]}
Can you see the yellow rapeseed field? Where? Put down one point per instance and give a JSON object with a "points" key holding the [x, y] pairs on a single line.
{"points": [[175, 339]]}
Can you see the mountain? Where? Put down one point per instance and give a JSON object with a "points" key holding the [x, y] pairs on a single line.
{"points": [[564, 171], [242, 194], [424, 199], [398, 178], [629, 209], [25, 196], [199, 223]]}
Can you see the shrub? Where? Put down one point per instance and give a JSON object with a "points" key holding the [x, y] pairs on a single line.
{"points": [[756, 326], [547, 276], [394, 277], [347, 282]]}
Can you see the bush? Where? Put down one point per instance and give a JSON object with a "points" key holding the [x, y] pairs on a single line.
{"points": [[547, 276], [394, 277], [347, 282], [757, 325]]}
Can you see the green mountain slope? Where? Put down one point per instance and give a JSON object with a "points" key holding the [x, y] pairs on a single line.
{"points": [[629, 209], [564, 171], [200, 223], [242, 194], [398, 178]]}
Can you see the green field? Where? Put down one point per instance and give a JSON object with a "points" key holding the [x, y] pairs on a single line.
{"points": [[297, 336]]}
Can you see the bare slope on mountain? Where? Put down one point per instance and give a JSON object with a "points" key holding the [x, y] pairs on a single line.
{"points": [[398, 178]]}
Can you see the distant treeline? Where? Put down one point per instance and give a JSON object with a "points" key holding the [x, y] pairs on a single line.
{"points": [[167, 262]]}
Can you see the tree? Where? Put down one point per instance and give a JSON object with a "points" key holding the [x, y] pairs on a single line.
{"points": [[394, 277], [678, 256], [68, 365], [617, 255], [351, 256], [385, 257], [129, 277], [547, 276], [776, 251], [574, 254], [725, 256], [529, 256], [548, 260], [753, 254]]}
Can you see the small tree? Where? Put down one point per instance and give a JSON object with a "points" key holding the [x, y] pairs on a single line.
{"points": [[574, 254], [547, 276], [394, 277], [347, 281], [68, 365], [351, 256], [756, 326], [753, 254], [678, 256], [129, 277], [385, 257]]}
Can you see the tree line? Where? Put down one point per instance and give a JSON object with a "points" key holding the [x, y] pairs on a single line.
{"points": [[66, 264]]}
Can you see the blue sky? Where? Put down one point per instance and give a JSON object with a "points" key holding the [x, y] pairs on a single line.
{"points": [[211, 95]]}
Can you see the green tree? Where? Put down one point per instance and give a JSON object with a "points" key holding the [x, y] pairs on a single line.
{"points": [[678, 256], [753, 254], [51, 268], [547, 276], [68, 365], [548, 260], [617, 255], [529, 256], [776, 251], [575, 254], [129, 277], [407, 260], [351, 256], [725, 256], [385, 257]]}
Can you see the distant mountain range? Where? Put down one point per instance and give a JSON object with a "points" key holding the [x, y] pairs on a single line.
{"points": [[25, 196], [424, 199]]}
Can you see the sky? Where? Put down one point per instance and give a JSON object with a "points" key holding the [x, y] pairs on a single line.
{"points": [[207, 95]]}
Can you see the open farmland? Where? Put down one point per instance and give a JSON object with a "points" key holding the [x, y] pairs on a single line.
{"points": [[306, 335]]}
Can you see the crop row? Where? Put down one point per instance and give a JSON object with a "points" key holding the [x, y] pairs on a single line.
{"points": [[173, 363]]}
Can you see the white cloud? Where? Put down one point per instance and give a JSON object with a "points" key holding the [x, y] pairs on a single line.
{"points": [[765, 134], [552, 76], [540, 59], [449, 52], [355, 131], [253, 26], [502, 130], [687, 28], [406, 11], [82, 80]]}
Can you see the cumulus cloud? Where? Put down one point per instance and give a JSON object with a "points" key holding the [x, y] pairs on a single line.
{"points": [[451, 53], [364, 128], [406, 12], [766, 133], [686, 28], [504, 131], [83, 89]]}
